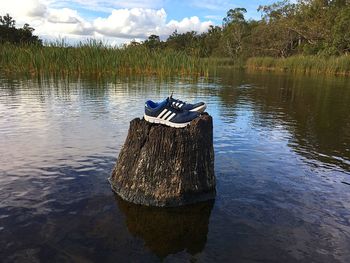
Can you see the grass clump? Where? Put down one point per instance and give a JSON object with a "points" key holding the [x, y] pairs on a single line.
{"points": [[95, 58], [302, 64]]}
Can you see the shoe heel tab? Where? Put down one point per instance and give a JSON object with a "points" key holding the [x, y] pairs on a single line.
{"points": [[148, 103]]}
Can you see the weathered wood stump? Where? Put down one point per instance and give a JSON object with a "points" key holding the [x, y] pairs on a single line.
{"points": [[164, 166]]}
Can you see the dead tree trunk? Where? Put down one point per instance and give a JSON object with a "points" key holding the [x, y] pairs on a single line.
{"points": [[164, 166]]}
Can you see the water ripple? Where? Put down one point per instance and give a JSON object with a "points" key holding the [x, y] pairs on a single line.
{"points": [[281, 155]]}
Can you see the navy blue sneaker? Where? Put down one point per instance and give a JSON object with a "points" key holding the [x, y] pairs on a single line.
{"points": [[199, 107], [168, 114]]}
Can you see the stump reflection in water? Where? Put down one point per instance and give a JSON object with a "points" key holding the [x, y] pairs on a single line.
{"points": [[169, 230]]}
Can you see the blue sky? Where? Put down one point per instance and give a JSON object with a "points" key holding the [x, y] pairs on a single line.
{"points": [[204, 9], [120, 21], [213, 10]]}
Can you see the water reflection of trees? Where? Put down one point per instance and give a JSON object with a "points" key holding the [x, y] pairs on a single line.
{"points": [[315, 110], [92, 88]]}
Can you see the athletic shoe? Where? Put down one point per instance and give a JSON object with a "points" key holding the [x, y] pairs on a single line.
{"points": [[199, 107], [168, 114]]}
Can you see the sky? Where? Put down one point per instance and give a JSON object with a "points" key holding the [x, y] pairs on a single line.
{"points": [[117, 22]]}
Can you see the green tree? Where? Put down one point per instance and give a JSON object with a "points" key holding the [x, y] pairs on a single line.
{"points": [[9, 33], [317, 27], [210, 41], [188, 42], [153, 42], [234, 31], [341, 32], [234, 16], [7, 21]]}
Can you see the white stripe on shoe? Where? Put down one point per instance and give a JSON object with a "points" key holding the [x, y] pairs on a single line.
{"points": [[165, 122], [162, 113], [171, 116], [166, 115]]}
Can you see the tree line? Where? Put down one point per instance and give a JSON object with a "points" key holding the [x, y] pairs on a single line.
{"points": [[307, 27]]}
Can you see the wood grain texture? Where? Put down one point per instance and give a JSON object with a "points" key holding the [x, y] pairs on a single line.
{"points": [[164, 166]]}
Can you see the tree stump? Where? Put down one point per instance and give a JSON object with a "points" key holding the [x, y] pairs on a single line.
{"points": [[165, 166]]}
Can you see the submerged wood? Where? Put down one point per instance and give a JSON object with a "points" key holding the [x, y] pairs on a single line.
{"points": [[164, 166]]}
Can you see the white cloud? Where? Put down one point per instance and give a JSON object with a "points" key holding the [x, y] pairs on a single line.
{"points": [[64, 15], [140, 23], [28, 8], [52, 21], [188, 24], [47, 21], [135, 22]]}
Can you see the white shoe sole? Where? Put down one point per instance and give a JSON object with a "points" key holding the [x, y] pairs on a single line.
{"points": [[167, 123], [200, 108]]}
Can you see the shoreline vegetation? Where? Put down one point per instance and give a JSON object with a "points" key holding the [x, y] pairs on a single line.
{"points": [[96, 59], [93, 58], [304, 36], [339, 65]]}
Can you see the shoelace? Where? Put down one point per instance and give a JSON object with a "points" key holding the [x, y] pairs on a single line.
{"points": [[172, 105], [176, 100]]}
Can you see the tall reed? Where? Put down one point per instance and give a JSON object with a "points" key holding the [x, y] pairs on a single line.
{"points": [[302, 64], [95, 58]]}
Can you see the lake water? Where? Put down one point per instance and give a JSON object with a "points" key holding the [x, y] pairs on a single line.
{"points": [[282, 162]]}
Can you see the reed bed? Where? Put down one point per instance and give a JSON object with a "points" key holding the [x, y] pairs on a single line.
{"points": [[97, 59], [302, 64]]}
